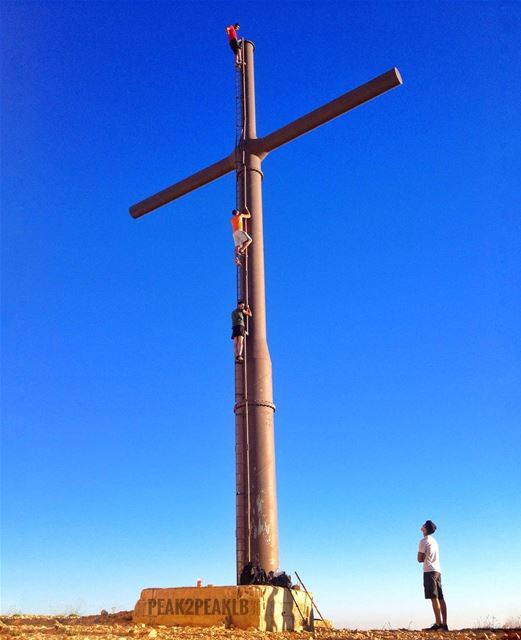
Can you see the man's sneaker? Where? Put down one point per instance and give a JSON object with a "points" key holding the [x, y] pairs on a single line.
{"points": [[435, 627], [444, 627]]}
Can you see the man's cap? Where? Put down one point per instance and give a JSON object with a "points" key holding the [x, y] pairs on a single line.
{"points": [[237, 25], [430, 526]]}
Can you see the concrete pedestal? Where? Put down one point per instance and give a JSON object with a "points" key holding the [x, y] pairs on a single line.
{"points": [[260, 607]]}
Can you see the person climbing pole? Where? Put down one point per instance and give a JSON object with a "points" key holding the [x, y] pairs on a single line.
{"points": [[241, 239], [231, 32], [239, 328]]}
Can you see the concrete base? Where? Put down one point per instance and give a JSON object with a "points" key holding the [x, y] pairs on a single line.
{"points": [[260, 607]]}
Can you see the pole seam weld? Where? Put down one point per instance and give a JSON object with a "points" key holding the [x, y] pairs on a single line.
{"points": [[239, 171], [254, 403]]}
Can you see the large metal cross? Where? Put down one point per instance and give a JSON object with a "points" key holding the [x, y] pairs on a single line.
{"points": [[256, 501]]}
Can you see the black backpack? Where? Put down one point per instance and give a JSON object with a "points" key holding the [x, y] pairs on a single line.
{"points": [[252, 574], [281, 580]]}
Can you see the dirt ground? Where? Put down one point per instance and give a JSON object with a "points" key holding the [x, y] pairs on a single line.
{"points": [[119, 626]]}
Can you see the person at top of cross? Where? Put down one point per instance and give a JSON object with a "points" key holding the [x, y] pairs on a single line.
{"points": [[231, 32], [239, 328], [241, 239]]}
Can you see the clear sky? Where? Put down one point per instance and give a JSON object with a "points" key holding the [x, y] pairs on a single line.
{"points": [[393, 289]]}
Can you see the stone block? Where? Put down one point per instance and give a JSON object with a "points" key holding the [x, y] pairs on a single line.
{"points": [[260, 607]]}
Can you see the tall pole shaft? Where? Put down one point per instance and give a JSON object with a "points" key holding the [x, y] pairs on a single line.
{"points": [[256, 502], [257, 530]]}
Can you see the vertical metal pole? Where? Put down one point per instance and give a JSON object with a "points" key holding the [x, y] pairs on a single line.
{"points": [[241, 475], [242, 460], [263, 534], [256, 503]]}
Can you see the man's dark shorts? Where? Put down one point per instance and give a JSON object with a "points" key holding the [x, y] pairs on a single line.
{"points": [[432, 585], [238, 330]]}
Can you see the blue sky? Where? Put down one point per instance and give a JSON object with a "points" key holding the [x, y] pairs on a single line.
{"points": [[393, 290]]}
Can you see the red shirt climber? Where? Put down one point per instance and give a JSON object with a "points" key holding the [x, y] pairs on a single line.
{"points": [[231, 32]]}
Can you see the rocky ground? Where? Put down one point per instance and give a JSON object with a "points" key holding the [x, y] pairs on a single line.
{"points": [[119, 626]]}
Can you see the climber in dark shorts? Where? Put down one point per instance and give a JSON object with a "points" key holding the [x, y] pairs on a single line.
{"points": [[239, 328]]}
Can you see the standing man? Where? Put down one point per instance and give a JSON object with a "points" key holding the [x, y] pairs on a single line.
{"points": [[429, 554], [239, 328], [240, 238], [231, 32]]}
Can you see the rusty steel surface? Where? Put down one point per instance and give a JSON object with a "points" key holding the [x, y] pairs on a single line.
{"points": [[179, 189], [257, 529], [263, 500], [256, 496], [262, 146], [242, 474], [242, 423], [346, 102]]}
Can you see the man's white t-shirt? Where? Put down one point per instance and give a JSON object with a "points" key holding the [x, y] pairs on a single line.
{"points": [[429, 547]]}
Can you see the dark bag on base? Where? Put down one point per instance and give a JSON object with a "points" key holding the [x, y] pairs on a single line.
{"points": [[281, 580], [252, 574]]}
